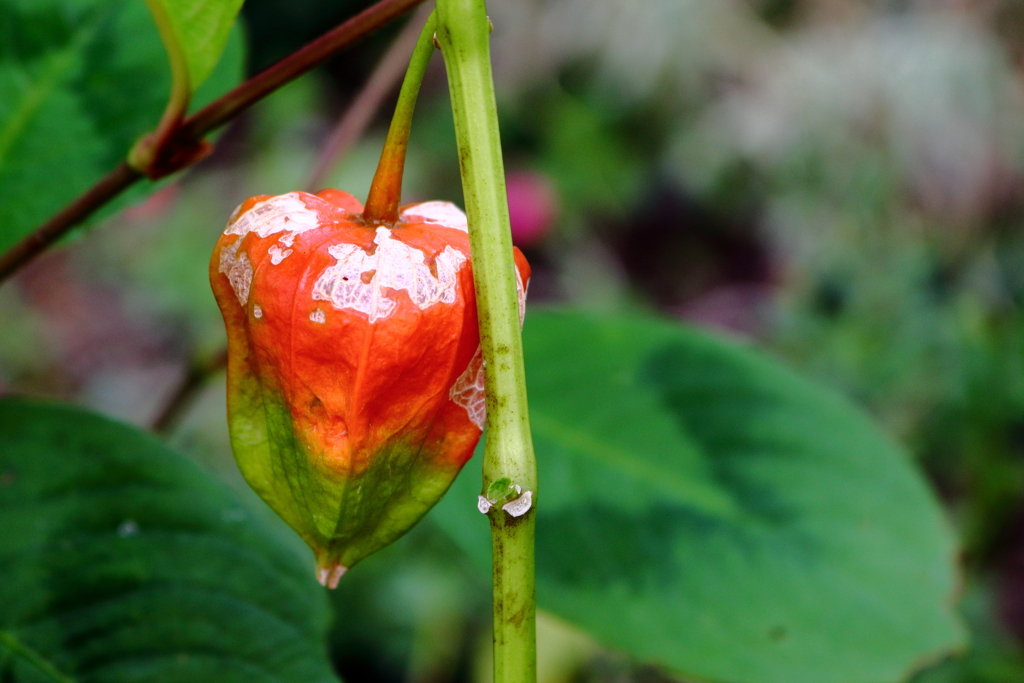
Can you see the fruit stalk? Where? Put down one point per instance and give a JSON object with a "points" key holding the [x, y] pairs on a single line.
{"points": [[386, 189]]}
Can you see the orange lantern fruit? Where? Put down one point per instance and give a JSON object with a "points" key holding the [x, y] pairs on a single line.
{"points": [[355, 380]]}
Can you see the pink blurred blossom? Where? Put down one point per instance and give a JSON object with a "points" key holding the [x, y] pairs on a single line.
{"points": [[532, 206]]}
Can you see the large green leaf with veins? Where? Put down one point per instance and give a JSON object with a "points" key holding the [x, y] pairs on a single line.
{"points": [[704, 508], [122, 562], [80, 81]]}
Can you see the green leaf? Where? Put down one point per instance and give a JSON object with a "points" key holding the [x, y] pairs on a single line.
{"points": [[79, 83], [703, 508], [199, 30], [122, 562]]}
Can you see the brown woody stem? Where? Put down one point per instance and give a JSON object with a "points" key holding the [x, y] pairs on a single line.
{"points": [[113, 184], [226, 108], [189, 136]]}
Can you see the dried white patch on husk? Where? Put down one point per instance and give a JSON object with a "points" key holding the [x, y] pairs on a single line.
{"points": [[521, 297], [469, 390], [483, 504], [240, 277], [318, 316], [238, 268], [278, 254], [444, 214], [285, 213], [228, 256], [257, 311], [394, 265]]}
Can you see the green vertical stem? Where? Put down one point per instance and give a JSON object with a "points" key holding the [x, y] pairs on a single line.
{"points": [[386, 188], [463, 33]]}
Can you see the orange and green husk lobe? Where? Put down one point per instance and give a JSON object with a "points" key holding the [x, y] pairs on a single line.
{"points": [[344, 515]]}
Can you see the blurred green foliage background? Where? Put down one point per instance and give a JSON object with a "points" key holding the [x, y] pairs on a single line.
{"points": [[840, 182]]}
